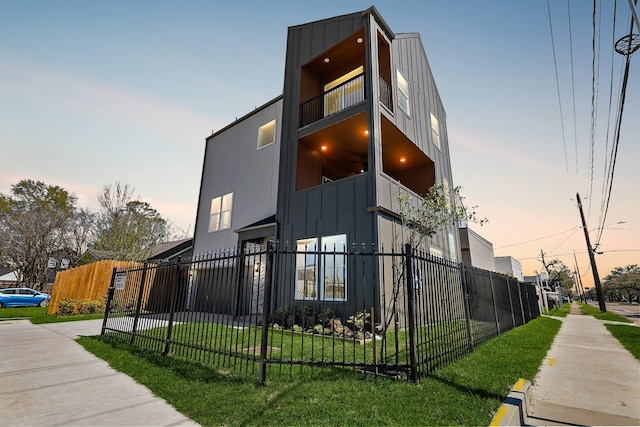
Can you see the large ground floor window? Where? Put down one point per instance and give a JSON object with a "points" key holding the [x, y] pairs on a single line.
{"points": [[321, 268]]}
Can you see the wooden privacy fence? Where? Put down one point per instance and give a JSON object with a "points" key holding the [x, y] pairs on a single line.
{"points": [[89, 281]]}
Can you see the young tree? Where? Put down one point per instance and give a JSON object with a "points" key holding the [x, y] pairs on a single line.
{"points": [[128, 227], [34, 219], [623, 282]]}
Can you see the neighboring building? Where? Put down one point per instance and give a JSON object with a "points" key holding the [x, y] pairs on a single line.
{"points": [[476, 250], [509, 266], [360, 120], [8, 277], [172, 250]]}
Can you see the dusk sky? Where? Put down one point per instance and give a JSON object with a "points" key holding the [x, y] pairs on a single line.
{"points": [[97, 92]]}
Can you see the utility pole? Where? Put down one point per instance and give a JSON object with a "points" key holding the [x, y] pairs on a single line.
{"points": [[592, 258], [579, 280]]}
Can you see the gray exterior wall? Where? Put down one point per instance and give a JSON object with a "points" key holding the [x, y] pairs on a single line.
{"points": [[510, 266], [476, 250], [232, 163]]}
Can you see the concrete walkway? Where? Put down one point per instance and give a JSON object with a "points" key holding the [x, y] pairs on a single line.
{"points": [[587, 378], [47, 379]]}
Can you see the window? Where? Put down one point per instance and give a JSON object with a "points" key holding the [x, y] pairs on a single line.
{"points": [[435, 131], [452, 248], [403, 92], [220, 215], [323, 268], [266, 134], [343, 92]]}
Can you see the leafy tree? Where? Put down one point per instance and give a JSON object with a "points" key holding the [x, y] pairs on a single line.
{"points": [[128, 227], [439, 208], [623, 282], [34, 220], [81, 232], [560, 277]]}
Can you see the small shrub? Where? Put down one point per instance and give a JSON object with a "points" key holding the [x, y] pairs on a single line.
{"points": [[70, 307]]}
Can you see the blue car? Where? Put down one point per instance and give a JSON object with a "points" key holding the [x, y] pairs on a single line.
{"points": [[23, 297]]}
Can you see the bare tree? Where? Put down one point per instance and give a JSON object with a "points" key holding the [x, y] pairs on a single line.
{"points": [[128, 227]]}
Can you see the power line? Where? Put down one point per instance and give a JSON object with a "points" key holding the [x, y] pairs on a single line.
{"points": [[573, 86], [555, 64], [539, 238], [593, 104]]}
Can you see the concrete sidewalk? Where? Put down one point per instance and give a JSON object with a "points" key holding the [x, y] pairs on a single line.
{"points": [[48, 379], [587, 378]]}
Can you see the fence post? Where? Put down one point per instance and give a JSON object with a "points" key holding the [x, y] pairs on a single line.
{"points": [[174, 291], [138, 304], [467, 307], [495, 303], [109, 299], [266, 306], [513, 316], [413, 355]]}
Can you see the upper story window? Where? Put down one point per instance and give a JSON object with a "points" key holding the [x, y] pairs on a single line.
{"points": [[403, 92], [220, 214], [267, 134], [435, 131]]}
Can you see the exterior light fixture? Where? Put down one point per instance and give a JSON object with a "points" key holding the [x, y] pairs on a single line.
{"points": [[359, 40], [366, 132], [323, 148], [326, 60], [403, 159]]}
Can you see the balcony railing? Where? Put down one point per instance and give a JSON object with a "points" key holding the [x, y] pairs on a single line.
{"points": [[333, 101], [385, 93]]}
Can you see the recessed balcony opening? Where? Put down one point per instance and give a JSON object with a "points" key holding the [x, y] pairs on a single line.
{"points": [[384, 69], [334, 80], [405, 162], [337, 152]]}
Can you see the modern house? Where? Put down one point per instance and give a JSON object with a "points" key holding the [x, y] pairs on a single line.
{"points": [[509, 266], [320, 167], [476, 250]]}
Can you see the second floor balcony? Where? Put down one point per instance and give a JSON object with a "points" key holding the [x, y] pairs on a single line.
{"points": [[335, 99]]}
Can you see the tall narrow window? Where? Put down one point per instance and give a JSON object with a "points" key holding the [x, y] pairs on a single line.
{"points": [[403, 92], [220, 214], [266, 134], [307, 269], [334, 267], [452, 248], [435, 131]]}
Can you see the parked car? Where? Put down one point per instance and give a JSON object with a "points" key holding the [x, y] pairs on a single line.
{"points": [[21, 297]]}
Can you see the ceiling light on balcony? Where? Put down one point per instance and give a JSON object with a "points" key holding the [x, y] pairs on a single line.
{"points": [[366, 132], [326, 60], [323, 148], [359, 40], [403, 159]]}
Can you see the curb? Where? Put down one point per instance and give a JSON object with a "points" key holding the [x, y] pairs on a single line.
{"points": [[514, 409]]}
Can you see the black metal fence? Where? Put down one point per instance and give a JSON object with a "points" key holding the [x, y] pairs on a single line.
{"points": [[265, 309]]}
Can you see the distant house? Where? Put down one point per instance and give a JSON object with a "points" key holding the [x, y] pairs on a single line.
{"points": [[172, 250], [476, 250], [509, 266], [8, 277], [93, 255]]}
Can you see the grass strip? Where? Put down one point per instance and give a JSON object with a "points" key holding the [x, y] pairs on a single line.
{"points": [[38, 315], [468, 391], [561, 311], [595, 312], [629, 337]]}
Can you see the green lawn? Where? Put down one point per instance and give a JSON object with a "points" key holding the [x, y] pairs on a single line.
{"points": [[595, 312], [629, 337], [39, 315], [466, 392], [562, 311]]}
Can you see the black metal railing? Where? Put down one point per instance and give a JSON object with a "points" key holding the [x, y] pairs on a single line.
{"points": [[333, 101], [385, 93], [402, 313]]}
